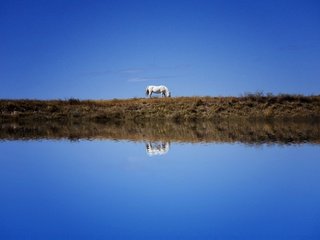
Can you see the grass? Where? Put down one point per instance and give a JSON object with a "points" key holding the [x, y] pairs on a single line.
{"points": [[251, 118], [178, 110]]}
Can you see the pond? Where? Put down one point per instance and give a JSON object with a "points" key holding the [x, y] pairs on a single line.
{"points": [[123, 182]]}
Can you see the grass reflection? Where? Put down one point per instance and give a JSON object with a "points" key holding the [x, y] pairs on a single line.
{"points": [[244, 131]]}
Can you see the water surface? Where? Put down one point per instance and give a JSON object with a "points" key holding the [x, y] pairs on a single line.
{"points": [[158, 189]]}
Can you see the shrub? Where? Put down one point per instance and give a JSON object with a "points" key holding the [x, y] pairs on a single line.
{"points": [[73, 101]]}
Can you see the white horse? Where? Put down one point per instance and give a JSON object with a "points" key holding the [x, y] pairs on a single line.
{"points": [[157, 148], [158, 89]]}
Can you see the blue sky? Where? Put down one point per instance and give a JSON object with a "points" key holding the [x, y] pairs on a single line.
{"points": [[114, 49]]}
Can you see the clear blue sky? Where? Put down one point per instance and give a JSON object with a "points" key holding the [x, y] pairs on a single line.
{"points": [[114, 49]]}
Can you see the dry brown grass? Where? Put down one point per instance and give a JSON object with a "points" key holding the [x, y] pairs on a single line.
{"points": [[180, 109]]}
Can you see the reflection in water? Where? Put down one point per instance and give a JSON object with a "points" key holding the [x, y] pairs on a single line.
{"points": [[245, 131], [157, 148], [111, 190]]}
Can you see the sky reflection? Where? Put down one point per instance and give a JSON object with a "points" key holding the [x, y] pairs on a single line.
{"points": [[110, 189]]}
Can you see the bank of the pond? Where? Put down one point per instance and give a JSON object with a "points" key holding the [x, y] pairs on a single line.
{"points": [[177, 109]]}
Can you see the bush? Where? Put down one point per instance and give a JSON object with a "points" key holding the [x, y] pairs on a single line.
{"points": [[73, 101]]}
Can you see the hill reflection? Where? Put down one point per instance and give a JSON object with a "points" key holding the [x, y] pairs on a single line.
{"points": [[244, 131]]}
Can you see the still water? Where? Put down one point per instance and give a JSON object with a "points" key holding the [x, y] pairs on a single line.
{"points": [[158, 189]]}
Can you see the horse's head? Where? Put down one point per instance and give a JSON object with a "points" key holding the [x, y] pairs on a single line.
{"points": [[168, 93]]}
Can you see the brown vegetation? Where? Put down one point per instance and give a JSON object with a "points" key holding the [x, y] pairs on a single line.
{"points": [[180, 109], [253, 118]]}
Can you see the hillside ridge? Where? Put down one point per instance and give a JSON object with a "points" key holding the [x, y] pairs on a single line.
{"points": [[177, 109]]}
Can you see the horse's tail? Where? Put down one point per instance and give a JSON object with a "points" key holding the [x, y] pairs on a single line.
{"points": [[147, 91], [168, 93]]}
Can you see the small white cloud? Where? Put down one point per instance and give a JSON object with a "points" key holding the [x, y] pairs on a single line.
{"points": [[145, 79], [131, 70], [139, 79]]}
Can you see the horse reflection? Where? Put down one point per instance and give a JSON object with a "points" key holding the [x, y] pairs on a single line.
{"points": [[157, 148]]}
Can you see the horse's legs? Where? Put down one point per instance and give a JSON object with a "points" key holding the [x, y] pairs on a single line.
{"points": [[150, 94]]}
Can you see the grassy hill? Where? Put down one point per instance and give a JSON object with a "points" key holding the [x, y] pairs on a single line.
{"points": [[179, 109]]}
